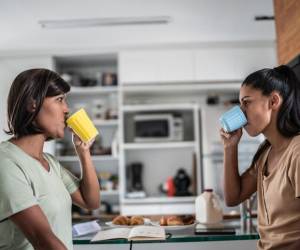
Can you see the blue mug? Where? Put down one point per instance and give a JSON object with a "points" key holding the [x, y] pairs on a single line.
{"points": [[233, 119]]}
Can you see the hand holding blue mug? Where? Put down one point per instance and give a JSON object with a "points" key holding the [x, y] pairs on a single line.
{"points": [[233, 119]]}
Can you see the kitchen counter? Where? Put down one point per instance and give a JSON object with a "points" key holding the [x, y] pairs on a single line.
{"points": [[179, 239]]}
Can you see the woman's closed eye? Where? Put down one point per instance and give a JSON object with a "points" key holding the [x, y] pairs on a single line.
{"points": [[60, 98], [245, 103]]}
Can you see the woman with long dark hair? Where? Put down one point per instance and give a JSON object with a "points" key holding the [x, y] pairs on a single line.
{"points": [[270, 99], [36, 192]]}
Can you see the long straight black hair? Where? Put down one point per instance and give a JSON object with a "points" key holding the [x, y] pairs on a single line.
{"points": [[283, 80]]}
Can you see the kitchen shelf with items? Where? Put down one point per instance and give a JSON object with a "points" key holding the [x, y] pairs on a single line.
{"points": [[160, 158], [94, 87]]}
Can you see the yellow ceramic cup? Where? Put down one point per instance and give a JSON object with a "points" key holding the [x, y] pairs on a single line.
{"points": [[82, 125]]}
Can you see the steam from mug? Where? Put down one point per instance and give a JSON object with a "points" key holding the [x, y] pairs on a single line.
{"points": [[233, 119], [82, 125]]}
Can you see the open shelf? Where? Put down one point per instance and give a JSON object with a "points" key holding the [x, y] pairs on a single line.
{"points": [[93, 90], [159, 145], [105, 123], [109, 193], [186, 88], [158, 107], [161, 200], [71, 158]]}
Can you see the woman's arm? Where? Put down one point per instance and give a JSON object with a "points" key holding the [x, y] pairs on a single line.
{"points": [[236, 188], [34, 225], [88, 194]]}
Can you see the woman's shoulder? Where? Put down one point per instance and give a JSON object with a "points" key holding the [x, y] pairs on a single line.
{"points": [[8, 165], [293, 149], [4, 147], [295, 144], [6, 155]]}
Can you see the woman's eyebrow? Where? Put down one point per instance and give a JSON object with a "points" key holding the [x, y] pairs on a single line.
{"points": [[244, 98]]}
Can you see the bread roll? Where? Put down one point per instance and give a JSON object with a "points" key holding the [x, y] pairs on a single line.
{"points": [[188, 219], [136, 220], [121, 220], [163, 221], [174, 221]]}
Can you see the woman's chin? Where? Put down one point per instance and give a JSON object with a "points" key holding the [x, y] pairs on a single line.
{"points": [[60, 135]]}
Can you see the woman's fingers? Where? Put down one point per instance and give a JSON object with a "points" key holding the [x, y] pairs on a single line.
{"points": [[78, 142], [224, 134]]}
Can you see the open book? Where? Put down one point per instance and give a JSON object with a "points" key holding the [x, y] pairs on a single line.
{"points": [[135, 233]]}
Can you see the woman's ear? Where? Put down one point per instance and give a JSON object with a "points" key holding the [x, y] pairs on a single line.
{"points": [[31, 107], [275, 100]]}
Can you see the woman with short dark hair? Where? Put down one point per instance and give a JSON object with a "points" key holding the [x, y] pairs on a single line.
{"points": [[270, 99], [36, 192]]}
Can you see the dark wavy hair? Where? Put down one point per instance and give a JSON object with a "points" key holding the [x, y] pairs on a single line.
{"points": [[283, 80], [32, 85]]}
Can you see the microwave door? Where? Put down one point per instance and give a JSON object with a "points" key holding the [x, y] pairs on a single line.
{"points": [[152, 128]]}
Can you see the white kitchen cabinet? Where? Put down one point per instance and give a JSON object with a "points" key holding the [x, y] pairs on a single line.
{"points": [[217, 64], [227, 62], [148, 66]]}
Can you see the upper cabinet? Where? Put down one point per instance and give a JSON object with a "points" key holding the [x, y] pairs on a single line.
{"points": [[211, 63], [148, 66], [219, 64]]}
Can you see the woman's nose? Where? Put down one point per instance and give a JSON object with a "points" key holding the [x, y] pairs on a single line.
{"points": [[242, 108], [66, 109], [244, 111]]}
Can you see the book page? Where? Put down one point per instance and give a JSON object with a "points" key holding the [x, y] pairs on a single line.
{"points": [[115, 233], [147, 233]]}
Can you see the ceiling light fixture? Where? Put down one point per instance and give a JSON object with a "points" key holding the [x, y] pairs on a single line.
{"points": [[114, 21]]}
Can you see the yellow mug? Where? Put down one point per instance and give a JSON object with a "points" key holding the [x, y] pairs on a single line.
{"points": [[82, 125]]}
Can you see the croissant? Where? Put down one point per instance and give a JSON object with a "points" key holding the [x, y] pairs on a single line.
{"points": [[174, 221], [136, 220], [121, 220]]}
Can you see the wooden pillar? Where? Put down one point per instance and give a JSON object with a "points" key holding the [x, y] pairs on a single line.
{"points": [[287, 20]]}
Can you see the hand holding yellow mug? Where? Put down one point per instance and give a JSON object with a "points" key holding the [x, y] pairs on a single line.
{"points": [[82, 125]]}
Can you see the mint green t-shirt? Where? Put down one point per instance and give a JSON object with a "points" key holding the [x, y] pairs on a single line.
{"points": [[25, 183]]}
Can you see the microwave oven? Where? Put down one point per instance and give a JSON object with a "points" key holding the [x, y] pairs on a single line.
{"points": [[157, 128]]}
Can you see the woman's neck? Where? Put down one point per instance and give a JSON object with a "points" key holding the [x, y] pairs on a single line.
{"points": [[278, 142], [31, 144]]}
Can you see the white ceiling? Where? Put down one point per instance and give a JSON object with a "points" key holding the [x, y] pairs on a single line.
{"points": [[193, 21]]}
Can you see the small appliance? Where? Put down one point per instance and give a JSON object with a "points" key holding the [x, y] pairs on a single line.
{"points": [[134, 173], [158, 127]]}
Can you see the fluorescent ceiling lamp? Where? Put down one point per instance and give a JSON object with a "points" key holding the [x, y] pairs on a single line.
{"points": [[114, 21]]}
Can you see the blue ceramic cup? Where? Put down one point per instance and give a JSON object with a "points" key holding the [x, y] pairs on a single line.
{"points": [[233, 119]]}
